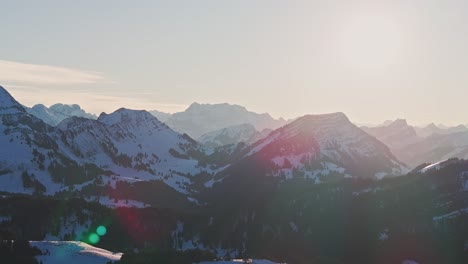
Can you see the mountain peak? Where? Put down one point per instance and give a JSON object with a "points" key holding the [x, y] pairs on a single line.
{"points": [[39, 106], [332, 116], [432, 126], [124, 115], [399, 123], [61, 107], [8, 104], [195, 107]]}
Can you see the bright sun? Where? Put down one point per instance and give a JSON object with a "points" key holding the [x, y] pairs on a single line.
{"points": [[370, 42]]}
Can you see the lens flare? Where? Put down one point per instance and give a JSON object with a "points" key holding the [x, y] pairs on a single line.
{"points": [[101, 230], [93, 238]]}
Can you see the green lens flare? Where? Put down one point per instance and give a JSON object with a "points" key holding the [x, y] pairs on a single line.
{"points": [[101, 230], [93, 238]]}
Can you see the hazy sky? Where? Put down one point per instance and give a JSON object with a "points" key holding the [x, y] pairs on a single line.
{"points": [[373, 60]]}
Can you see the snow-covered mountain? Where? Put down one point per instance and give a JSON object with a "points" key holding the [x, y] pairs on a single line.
{"points": [[316, 146], [58, 112], [27, 149], [36, 157], [131, 143], [199, 119], [232, 135]]}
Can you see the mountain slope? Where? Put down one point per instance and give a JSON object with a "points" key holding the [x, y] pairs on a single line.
{"points": [[199, 119]]}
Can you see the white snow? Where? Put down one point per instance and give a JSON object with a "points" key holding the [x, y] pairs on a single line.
{"points": [[115, 203], [380, 175], [293, 226], [450, 215], [367, 190], [434, 166], [73, 252], [240, 261], [383, 236], [210, 183]]}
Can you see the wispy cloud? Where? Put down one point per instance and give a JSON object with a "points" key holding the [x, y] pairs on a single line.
{"points": [[34, 83], [25, 73]]}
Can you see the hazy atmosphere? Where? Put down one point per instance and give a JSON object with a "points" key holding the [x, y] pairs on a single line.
{"points": [[370, 59], [234, 132]]}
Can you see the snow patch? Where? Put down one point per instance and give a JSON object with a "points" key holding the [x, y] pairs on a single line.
{"points": [[450, 215], [73, 252], [115, 203], [434, 166], [240, 261], [383, 236]]}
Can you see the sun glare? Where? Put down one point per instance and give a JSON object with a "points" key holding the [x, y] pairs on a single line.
{"points": [[369, 42]]}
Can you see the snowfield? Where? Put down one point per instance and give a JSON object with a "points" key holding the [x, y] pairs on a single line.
{"points": [[71, 252]]}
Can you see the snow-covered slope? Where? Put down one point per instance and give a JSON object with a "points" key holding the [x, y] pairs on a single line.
{"points": [[231, 135], [57, 113], [319, 145], [73, 252], [199, 119]]}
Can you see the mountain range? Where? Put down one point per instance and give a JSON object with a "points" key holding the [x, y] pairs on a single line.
{"points": [[260, 188], [415, 145], [133, 145]]}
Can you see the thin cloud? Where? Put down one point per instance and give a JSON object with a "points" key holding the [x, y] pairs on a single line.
{"points": [[25, 73]]}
